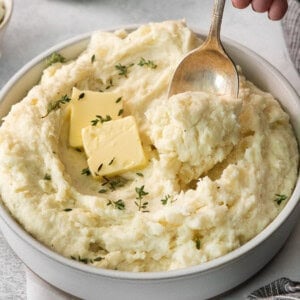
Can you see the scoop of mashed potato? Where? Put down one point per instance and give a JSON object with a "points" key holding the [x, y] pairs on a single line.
{"points": [[195, 130], [219, 170]]}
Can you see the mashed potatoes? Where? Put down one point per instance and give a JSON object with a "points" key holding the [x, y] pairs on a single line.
{"points": [[219, 169]]}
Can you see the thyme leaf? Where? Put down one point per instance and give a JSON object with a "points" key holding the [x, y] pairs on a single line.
{"points": [[99, 258], [52, 106], [113, 159], [164, 201], [120, 112], [100, 167], [86, 171], [147, 63], [114, 182], [86, 260], [118, 100], [47, 177], [81, 96], [142, 206], [110, 84], [280, 198], [198, 243], [152, 147]]}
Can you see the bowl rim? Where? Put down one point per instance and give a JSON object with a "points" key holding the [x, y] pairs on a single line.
{"points": [[8, 6], [208, 266]]}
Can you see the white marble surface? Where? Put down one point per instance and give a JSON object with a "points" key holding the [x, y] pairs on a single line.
{"points": [[39, 24]]}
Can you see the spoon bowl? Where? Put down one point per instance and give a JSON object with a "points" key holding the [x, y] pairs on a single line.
{"points": [[207, 68]]}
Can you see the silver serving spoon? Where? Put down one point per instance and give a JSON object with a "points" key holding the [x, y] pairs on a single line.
{"points": [[207, 68]]}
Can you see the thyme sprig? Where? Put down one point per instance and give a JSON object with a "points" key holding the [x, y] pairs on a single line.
{"points": [[280, 198], [123, 69], [52, 106], [119, 204], [142, 206], [86, 260], [114, 182], [54, 58], [147, 63], [101, 119]]}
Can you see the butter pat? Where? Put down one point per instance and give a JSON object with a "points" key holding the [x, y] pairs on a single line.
{"points": [[85, 106], [113, 147]]}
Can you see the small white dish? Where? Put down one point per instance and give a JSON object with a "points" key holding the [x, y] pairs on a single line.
{"points": [[8, 8]]}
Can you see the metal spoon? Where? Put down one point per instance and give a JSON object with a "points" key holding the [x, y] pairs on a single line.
{"points": [[207, 68]]}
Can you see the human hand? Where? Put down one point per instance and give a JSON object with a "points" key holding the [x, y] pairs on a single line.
{"points": [[276, 8]]}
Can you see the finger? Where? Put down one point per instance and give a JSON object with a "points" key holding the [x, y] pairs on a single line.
{"points": [[241, 3], [278, 9], [261, 6]]}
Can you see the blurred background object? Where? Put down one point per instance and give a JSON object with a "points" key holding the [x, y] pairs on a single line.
{"points": [[6, 7]]}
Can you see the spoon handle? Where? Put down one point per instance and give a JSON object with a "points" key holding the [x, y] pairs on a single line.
{"points": [[215, 27]]}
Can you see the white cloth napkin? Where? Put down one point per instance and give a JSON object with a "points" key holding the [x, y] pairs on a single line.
{"points": [[38, 289], [280, 289], [291, 30]]}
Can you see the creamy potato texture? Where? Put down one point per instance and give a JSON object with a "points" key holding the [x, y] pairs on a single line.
{"points": [[219, 170]]}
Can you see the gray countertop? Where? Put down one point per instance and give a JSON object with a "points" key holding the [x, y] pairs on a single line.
{"points": [[39, 24]]}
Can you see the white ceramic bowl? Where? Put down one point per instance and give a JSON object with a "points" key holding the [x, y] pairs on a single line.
{"points": [[8, 5], [197, 282]]}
